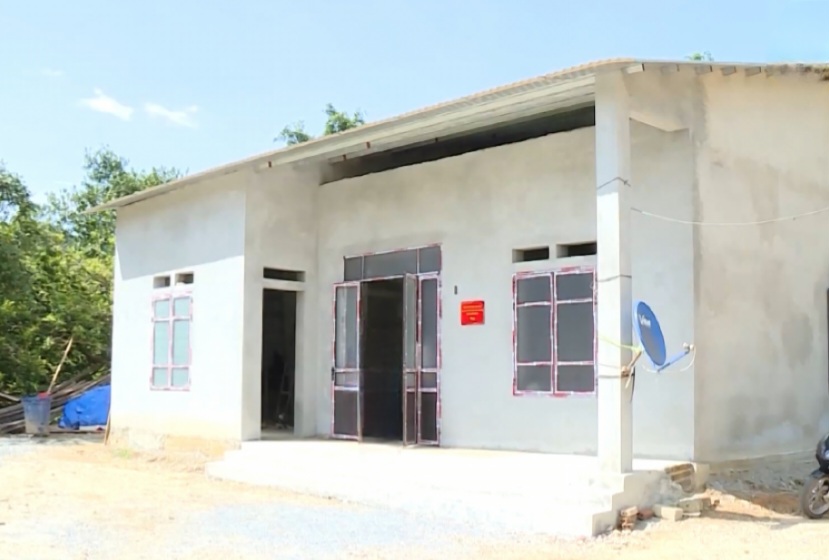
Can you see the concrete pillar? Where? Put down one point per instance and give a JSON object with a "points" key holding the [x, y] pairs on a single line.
{"points": [[307, 372], [251, 381], [613, 273]]}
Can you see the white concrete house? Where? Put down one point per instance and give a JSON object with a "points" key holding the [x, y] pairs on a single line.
{"points": [[347, 270]]}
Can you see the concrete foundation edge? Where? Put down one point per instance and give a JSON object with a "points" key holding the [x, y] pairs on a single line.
{"points": [[714, 468], [146, 440]]}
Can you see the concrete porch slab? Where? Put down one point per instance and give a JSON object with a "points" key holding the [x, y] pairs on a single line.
{"points": [[560, 495]]}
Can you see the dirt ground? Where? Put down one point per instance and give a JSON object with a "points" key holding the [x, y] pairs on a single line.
{"points": [[87, 501]]}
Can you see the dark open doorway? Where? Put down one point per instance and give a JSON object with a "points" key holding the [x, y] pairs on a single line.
{"points": [[382, 359], [278, 359]]}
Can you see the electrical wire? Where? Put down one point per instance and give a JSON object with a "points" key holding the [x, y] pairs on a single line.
{"points": [[693, 351], [671, 219], [638, 348], [619, 344], [731, 224], [631, 379]]}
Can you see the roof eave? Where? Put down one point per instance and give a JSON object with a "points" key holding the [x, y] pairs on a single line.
{"points": [[479, 109], [503, 104]]}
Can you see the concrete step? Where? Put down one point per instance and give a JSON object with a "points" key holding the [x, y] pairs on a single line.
{"points": [[565, 508], [461, 466], [563, 495], [478, 478]]}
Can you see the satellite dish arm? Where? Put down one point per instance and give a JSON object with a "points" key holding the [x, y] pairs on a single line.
{"points": [[686, 349]]}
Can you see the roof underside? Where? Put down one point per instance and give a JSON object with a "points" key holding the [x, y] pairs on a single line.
{"points": [[564, 89]]}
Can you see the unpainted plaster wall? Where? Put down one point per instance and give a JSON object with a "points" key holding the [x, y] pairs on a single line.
{"points": [[762, 146], [198, 230]]}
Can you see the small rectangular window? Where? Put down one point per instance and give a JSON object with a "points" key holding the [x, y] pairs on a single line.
{"points": [[161, 282], [531, 254], [283, 274], [576, 250], [171, 352], [184, 278]]}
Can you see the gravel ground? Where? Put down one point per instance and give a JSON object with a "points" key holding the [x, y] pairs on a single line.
{"points": [[72, 498]]}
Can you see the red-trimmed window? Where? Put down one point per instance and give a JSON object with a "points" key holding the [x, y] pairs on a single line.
{"points": [[172, 319], [554, 342]]}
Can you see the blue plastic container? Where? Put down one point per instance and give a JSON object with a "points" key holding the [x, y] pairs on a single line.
{"points": [[37, 412]]}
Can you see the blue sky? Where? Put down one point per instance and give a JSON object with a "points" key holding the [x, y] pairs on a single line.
{"points": [[193, 84]]}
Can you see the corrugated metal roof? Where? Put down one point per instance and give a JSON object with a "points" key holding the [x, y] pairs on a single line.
{"points": [[408, 125]]}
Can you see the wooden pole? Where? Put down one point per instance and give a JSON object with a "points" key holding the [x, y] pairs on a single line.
{"points": [[106, 431], [9, 398], [60, 365]]}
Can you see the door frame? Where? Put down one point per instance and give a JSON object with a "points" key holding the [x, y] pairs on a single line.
{"points": [[410, 362], [418, 401], [335, 371], [420, 369]]}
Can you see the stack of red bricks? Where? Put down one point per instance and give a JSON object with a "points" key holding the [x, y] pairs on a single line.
{"points": [[628, 518], [684, 476]]}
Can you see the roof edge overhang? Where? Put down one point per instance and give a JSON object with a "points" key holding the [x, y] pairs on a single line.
{"points": [[562, 89]]}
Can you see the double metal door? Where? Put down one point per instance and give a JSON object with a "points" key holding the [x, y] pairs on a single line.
{"points": [[419, 361]]}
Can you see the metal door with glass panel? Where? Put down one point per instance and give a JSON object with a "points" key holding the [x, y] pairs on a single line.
{"points": [[410, 359], [428, 412], [420, 361], [346, 376]]}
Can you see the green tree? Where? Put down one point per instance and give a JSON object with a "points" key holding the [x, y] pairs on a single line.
{"points": [[294, 134], [56, 273], [46, 294], [335, 121], [704, 56], [108, 176], [338, 121], [16, 227]]}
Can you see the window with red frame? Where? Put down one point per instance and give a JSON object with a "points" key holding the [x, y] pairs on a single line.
{"points": [[172, 318], [555, 332]]}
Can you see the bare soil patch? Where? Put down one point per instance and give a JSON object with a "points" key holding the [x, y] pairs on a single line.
{"points": [[126, 500]]}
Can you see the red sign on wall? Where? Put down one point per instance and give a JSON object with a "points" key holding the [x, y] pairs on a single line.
{"points": [[472, 312]]}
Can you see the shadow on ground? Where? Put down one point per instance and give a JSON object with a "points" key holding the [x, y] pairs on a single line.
{"points": [[778, 509], [780, 502]]}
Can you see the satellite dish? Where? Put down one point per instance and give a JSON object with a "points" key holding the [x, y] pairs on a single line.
{"points": [[649, 332]]}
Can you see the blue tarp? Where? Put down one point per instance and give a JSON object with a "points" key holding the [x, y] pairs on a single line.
{"points": [[88, 409]]}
